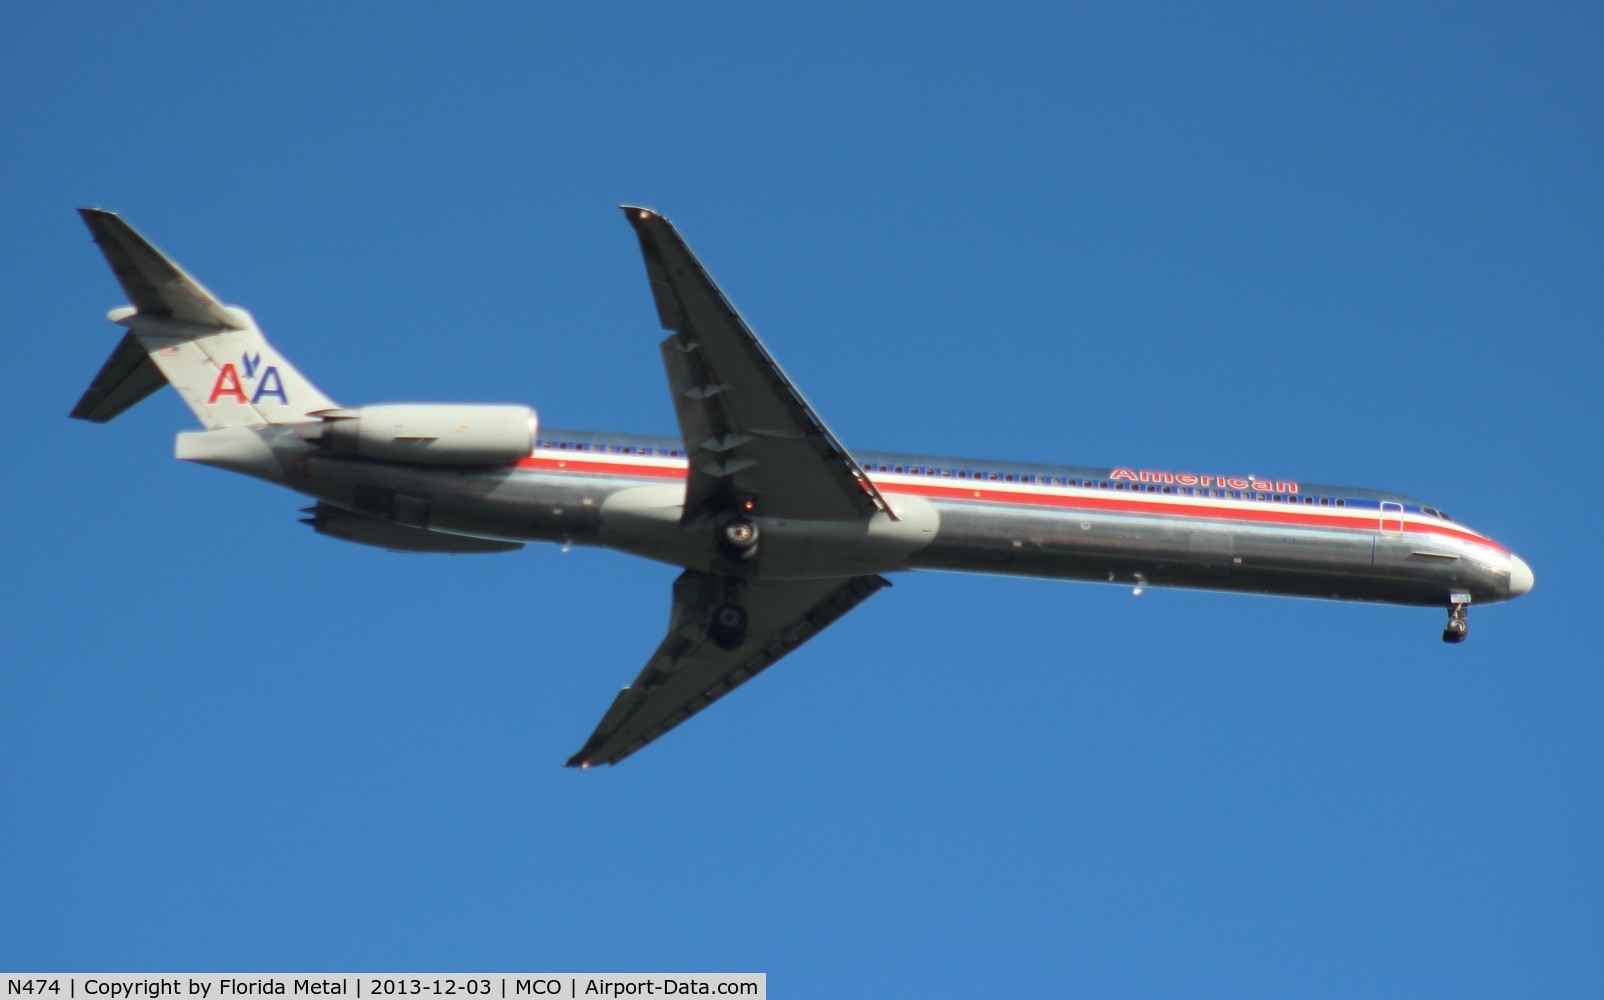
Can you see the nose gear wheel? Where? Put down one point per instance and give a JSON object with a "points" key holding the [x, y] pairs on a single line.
{"points": [[1458, 626]]}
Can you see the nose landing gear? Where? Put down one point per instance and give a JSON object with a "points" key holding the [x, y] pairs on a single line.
{"points": [[1458, 626]]}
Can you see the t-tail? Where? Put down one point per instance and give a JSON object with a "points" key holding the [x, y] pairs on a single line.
{"points": [[179, 333]]}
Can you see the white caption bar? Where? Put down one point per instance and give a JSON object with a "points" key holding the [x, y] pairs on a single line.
{"points": [[378, 985]]}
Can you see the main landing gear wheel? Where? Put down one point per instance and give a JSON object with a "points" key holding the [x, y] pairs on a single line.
{"points": [[727, 628], [739, 537]]}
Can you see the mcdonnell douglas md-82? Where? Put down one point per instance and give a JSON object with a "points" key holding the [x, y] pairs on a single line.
{"points": [[779, 528]]}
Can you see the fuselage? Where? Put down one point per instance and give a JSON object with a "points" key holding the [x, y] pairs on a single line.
{"points": [[1131, 526]]}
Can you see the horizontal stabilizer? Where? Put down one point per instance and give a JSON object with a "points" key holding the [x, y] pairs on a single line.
{"points": [[155, 285], [127, 378]]}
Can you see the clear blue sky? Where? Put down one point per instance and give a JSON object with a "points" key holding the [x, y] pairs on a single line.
{"points": [[1356, 246]]}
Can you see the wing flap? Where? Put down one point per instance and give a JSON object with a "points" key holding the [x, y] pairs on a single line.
{"points": [[688, 671]]}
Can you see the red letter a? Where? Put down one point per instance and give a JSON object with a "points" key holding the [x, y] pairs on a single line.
{"points": [[228, 384]]}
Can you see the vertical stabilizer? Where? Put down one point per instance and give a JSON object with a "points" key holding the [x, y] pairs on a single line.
{"points": [[213, 354]]}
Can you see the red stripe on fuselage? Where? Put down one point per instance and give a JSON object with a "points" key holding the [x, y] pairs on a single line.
{"points": [[622, 468], [1124, 503], [1137, 504]]}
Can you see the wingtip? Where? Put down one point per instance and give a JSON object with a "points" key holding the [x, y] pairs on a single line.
{"points": [[89, 213], [640, 213], [101, 221]]}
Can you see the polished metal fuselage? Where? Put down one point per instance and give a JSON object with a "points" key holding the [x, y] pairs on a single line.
{"points": [[634, 506]]}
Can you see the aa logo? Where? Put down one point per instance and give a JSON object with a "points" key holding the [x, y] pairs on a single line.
{"points": [[266, 381]]}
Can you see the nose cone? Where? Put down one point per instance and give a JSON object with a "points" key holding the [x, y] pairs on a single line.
{"points": [[1520, 576]]}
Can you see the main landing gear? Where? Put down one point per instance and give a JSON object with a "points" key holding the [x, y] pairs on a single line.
{"points": [[727, 627], [737, 542], [1458, 626]]}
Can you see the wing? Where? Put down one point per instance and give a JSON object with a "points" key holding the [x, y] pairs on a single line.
{"points": [[690, 671], [749, 434]]}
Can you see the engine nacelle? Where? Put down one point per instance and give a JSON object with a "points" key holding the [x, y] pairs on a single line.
{"points": [[432, 433], [349, 526]]}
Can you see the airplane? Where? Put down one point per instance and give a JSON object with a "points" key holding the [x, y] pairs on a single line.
{"points": [[778, 528]]}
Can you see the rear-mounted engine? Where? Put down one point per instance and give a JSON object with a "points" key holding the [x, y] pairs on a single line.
{"points": [[430, 433]]}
